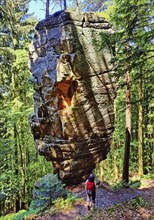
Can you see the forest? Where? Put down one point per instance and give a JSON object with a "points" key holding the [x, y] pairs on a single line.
{"points": [[131, 155]]}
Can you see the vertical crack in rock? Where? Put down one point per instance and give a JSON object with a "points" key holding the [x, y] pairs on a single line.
{"points": [[73, 118]]}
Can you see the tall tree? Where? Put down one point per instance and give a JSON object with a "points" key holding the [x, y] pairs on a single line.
{"points": [[125, 175], [134, 45], [16, 103], [140, 126]]}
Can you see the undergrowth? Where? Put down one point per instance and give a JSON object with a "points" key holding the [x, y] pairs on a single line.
{"points": [[119, 211], [61, 204], [122, 184]]}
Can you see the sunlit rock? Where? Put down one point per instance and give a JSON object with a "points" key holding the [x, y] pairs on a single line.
{"points": [[73, 117]]}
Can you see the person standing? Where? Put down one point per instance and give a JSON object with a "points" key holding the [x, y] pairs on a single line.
{"points": [[90, 188]]}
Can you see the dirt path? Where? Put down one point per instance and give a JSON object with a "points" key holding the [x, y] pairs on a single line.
{"points": [[105, 198]]}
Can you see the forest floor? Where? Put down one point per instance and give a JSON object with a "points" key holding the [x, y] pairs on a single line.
{"points": [[120, 204]]}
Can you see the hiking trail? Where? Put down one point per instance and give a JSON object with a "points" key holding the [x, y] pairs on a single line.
{"points": [[105, 198]]}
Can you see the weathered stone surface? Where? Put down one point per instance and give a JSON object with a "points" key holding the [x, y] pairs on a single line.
{"points": [[73, 117]]}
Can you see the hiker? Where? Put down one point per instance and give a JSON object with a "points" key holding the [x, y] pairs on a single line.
{"points": [[90, 188]]}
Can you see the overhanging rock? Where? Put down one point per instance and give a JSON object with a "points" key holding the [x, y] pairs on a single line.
{"points": [[73, 117]]}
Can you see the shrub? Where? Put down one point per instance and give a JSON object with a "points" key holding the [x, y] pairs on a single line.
{"points": [[46, 190], [119, 185], [62, 203], [24, 214]]}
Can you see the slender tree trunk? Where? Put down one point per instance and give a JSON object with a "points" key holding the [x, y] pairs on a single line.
{"points": [[28, 188], [65, 6], [17, 200], [140, 132], [148, 159], [125, 175], [102, 170], [22, 171], [115, 167], [47, 8]]}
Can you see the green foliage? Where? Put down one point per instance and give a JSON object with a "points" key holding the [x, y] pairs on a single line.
{"points": [[135, 184], [17, 152], [59, 203], [15, 216], [122, 184], [148, 176], [47, 189], [132, 46], [68, 202], [110, 210], [119, 185], [138, 201], [24, 214], [109, 7], [20, 166]]}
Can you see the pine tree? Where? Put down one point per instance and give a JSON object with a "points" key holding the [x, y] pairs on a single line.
{"points": [[132, 21], [15, 106]]}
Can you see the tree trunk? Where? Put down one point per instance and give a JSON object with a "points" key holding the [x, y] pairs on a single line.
{"points": [[102, 170], [17, 199], [115, 167], [140, 132], [125, 175], [115, 147], [148, 159], [22, 169], [65, 6], [47, 8]]}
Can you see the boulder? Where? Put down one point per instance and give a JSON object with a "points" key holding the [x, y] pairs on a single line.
{"points": [[73, 118]]}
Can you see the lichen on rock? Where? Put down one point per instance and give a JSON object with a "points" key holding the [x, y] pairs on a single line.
{"points": [[73, 117]]}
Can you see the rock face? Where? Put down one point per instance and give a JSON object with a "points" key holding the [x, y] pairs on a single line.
{"points": [[73, 117]]}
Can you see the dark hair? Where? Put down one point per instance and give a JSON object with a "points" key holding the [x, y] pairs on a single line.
{"points": [[91, 178]]}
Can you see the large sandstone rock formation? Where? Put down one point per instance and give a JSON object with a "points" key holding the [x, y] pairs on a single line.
{"points": [[73, 117]]}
